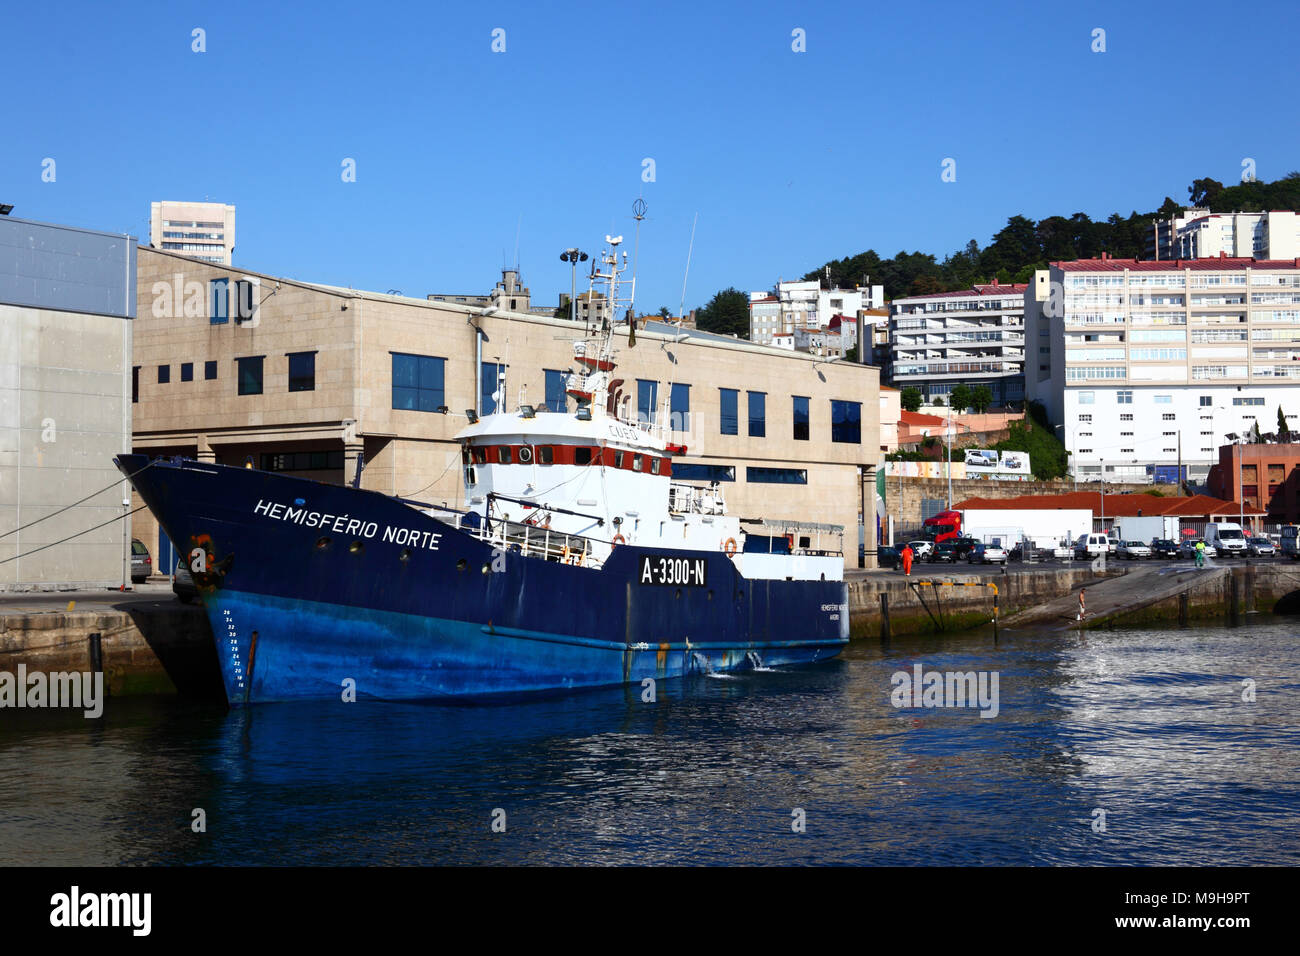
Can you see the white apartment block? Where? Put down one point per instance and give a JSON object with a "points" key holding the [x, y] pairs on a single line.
{"points": [[975, 336], [202, 230], [806, 306], [1249, 235], [1146, 365]]}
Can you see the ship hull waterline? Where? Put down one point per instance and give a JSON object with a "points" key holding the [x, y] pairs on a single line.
{"points": [[319, 591]]}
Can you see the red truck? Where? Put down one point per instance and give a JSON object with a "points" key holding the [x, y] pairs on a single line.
{"points": [[944, 526]]}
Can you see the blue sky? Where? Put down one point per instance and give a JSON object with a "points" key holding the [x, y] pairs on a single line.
{"points": [[788, 158]]}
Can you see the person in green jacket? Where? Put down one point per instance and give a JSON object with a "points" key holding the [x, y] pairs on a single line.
{"points": [[1200, 554]]}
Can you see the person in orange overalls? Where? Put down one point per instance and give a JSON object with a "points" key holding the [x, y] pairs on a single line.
{"points": [[906, 555]]}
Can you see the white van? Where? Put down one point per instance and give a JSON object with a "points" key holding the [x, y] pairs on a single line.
{"points": [[1091, 545], [1226, 537]]}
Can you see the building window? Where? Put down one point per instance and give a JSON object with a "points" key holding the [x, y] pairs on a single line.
{"points": [[1248, 401], [1124, 397], [302, 372], [647, 399], [758, 414], [249, 374], [1087, 398], [557, 399], [135, 384], [164, 374], [219, 301], [493, 374], [1126, 417], [209, 370], [800, 418], [846, 422], [1163, 399], [729, 417], [1085, 418], [302, 461], [1168, 417], [777, 476], [418, 382], [187, 371], [679, 407], [704, 472]]}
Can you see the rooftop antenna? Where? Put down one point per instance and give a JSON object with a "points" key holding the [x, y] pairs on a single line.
{"points": [[689, 251]]}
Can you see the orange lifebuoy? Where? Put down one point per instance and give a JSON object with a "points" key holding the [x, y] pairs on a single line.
{"points": [[729, 547], [618, 539], [789, 542]]}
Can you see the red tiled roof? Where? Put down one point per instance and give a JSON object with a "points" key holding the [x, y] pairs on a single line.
{"points": [[1016, 288], [1116, 506], [1166, 265], [918, 420]]}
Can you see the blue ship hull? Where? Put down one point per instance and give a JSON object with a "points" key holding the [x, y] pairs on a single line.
{"points": [[316, 590]]}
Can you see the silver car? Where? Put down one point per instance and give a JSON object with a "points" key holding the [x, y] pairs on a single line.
{"points": [[1133, 551], [920, 549], [1261, 546]]}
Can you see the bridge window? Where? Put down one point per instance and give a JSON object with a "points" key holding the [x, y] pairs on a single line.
{"points": [[503, 454], [636, 463], [618, 459], [582, 456], [546, 454], [654, 466]]}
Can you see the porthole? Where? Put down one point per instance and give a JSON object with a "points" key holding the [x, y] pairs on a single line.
{"points": [[356, 547], [405, 555], [322, 544], [462, 564], [525, 454]]}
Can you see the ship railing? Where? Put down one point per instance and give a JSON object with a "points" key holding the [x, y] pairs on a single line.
{"points": [[692, 499], [530, 540]]}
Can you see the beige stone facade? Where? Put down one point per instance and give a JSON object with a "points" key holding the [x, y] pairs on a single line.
{"points": [[350, 408]]}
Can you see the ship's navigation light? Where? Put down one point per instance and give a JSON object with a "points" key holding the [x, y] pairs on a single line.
{"points": [[527, 411], [583, 414], [471, 415]]}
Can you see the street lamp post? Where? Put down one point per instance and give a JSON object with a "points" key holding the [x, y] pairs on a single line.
{"points": [[1102, 492], [573, 256]]}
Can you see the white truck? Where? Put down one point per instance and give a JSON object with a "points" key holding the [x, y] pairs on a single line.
{"points": [[1144, 529], [1226, 537], [1045, 530]]}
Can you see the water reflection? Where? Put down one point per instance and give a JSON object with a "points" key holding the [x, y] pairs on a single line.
{"points": [[1151, 727]]}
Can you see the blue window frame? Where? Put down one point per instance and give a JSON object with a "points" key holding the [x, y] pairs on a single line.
{"points": [[729, 418], [757, 414], [846, 422], [800, 418], [775, 476], [679, 407], [556, 398], [219, 301], [647, 399], [302, 371], [704, 472], [250, 374], [494, 374], [418, 382]]}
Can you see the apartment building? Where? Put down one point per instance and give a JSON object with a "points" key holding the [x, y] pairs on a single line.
{"points": [[202, 230], [1146, 367], [1163, 237], [973, 336], [326, 382], [806, 306], [1248, 235]]}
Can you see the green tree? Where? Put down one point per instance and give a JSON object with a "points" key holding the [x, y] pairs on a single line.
{"points": [[727, 313], [937, 401], [664, 312], [1203, 191], [563, 310], [960, 399], [981, 397], [1283, 429], [1047, 457], [910, 399]]}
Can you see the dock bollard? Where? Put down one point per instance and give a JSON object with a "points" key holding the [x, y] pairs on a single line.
{"points": [[96, 653]]}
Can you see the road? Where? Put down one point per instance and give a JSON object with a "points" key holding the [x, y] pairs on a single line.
{"points": [[37, 602], [926, 569]]}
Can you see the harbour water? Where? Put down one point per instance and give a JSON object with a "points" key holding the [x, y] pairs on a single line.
{"points": [[1154, 729]]}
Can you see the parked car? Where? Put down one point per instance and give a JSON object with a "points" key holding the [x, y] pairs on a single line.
{"points": [[1188, 549], [1091, 545], [920, 548], [986, 554], [1163, 548], [944, 551], [141, 562], [183, 583], [1017, 552], [1133, 551], [964, 545], [1262, 547]]}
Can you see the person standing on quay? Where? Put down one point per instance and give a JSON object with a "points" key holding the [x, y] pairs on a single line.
{"points": [[1200, 554], [1083, 610], [906, 555]]}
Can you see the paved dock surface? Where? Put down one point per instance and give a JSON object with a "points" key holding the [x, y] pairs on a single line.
{"points": [[38, 602]]}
